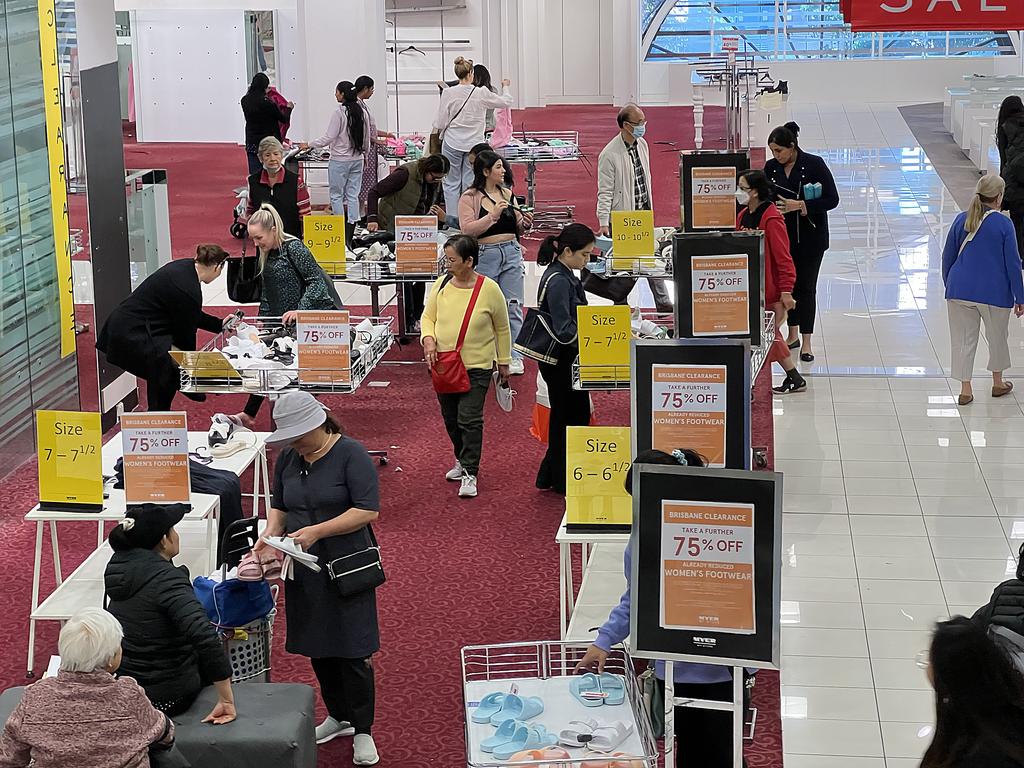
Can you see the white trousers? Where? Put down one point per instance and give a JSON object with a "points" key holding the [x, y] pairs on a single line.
{"points": [[965, 319]]}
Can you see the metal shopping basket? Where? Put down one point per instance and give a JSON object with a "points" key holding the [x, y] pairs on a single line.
{"points": [[248, 648], [532, 665]]}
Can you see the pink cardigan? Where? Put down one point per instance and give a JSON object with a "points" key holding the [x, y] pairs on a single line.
{"points": [[83, 719], [469, 213]]}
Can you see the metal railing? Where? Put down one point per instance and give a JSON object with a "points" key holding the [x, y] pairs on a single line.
{"points": [[796, 29]]}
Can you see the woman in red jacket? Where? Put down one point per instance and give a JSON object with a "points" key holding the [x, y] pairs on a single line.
{"points": [[754, 192]]}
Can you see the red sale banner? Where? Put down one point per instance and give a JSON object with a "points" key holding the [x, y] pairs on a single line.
{"points": [[933, 15]]}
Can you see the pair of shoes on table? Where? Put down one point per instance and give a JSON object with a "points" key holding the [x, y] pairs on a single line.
{"points": [[467, 489], [497, 708], [514, 736], [600, 738], [593, 690]]}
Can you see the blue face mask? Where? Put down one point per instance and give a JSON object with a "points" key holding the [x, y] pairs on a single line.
{"points": [[639, 131]]}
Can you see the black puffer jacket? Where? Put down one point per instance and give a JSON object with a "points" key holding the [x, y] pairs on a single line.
{"points": [[1010, 141], [1006, 608], [170, 647]]}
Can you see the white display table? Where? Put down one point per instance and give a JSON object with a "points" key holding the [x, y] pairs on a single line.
{"points": [[602, 580], [84, 587], [237, 463]]}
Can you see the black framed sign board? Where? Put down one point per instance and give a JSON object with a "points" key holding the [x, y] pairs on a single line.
{"points": [[707, 567], [707, 192], [720, 283], [692, 393]]}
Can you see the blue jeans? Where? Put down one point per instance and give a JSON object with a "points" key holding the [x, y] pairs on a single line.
{"points": [[345, 178], [458, 179], [503, 263]]}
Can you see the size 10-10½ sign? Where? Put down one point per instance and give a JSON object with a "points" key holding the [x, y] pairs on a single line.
{"points": [[925, 15]]}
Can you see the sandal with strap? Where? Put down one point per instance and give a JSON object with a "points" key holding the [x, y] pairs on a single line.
{"points": [[1003, 390]]}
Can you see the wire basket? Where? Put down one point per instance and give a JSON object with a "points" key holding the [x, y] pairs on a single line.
{"points": [[538, 147], [488, 667], [759, 355]]}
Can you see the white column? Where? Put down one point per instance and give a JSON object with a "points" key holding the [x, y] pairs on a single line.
{"points": [[339, 43]]}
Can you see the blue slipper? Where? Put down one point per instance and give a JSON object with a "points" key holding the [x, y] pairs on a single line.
{"points": [[505, 733], [586, 689], [517, 708], [489, 705], [526, 737], [613, 686]]}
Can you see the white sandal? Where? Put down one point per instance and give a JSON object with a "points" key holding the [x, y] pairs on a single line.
{"points": [[608, 737], [579, 736]]}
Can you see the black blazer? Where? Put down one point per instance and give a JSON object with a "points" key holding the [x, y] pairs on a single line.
{"points": [[284, 196], [166, 310], [810, 232]]}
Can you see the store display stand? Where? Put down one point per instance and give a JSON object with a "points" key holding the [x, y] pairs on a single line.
{"points": [[531, 148], [736, 707]]}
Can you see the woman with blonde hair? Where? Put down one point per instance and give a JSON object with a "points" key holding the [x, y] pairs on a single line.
{"points": [[981, 269], [292, 281], [460, 122]]}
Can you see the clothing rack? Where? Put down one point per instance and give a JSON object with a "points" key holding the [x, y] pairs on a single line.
{"points": [[740, 79]]}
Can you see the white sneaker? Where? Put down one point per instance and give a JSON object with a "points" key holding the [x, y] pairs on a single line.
{"points": [[332, 729], [504, 393], [468, 488], [455, 473], [516, 367], [364, 751]]}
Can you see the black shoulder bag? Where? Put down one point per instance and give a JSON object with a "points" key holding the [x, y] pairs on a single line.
{"points": [[359, 572], [536, 338]]}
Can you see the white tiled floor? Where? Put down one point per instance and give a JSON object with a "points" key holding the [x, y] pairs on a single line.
{"points": [[900, 507]]}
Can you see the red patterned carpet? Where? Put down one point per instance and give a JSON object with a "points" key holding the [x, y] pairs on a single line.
{"points": [[460, 572]]}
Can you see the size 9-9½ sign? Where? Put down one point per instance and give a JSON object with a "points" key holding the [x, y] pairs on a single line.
{"points": [[942, 15]]}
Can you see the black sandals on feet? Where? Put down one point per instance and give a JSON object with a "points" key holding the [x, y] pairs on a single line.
{"points": [[790, 385], [806, 357], [793, 344]]}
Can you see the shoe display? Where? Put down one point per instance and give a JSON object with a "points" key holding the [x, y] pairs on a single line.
{"points": [[579, 733], [468, 488], [455, 474], [503, 393], [614, 689], [517, 367], [526, 737], [504, 735], [332, 729], [586, 689], [489, 706], [364, 751], [607, 737]]}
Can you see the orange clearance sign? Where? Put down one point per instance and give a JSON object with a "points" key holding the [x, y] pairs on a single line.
{"points": [[416, 244], [713, 198], [324, 343], [707, 566], [688, 409], [155, 449], [720, 295]]}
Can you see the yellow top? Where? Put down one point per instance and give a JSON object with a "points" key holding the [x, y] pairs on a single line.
{"points": [[488, 337]]}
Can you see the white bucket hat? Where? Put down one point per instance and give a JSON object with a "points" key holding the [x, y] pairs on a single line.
{"points": [[295, 414]]}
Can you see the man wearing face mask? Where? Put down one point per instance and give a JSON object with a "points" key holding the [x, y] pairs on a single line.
{"points": [[624, 183], [278, 187]]}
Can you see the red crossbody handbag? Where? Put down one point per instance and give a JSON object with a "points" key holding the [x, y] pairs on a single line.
{"points": [[449, 373]]}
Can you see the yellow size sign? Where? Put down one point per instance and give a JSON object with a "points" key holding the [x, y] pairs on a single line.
{"points": [[597, 459], [604, 334], [70, 464], [325, 237], [632, 237]]}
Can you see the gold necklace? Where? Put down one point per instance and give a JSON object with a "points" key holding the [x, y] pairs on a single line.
{"points": [[321, 448]]}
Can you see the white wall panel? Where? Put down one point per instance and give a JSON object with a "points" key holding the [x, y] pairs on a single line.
{"points": [[190, 75]]}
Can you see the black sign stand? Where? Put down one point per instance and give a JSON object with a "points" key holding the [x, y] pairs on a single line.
{"points": [[738, 161]]}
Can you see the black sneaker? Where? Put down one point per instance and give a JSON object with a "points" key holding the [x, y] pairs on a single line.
{"points": [[791, 384]]}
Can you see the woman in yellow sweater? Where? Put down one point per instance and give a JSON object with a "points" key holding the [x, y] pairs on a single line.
{"points": [[488, 340]]}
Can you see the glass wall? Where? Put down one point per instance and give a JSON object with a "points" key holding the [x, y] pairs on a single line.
{"points": [[32, 373], [792, 29]]}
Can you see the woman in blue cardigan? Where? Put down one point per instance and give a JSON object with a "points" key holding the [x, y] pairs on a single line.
{"points": [[805, 193], [981, 269]]}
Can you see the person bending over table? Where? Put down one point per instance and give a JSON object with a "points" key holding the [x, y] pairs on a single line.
{"points": [[85, 716], [164, 312], [170, 646], [412, 189], [326, 495]]}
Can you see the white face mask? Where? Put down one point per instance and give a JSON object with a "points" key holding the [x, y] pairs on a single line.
{"points": [[742, 196], [271, 169]]}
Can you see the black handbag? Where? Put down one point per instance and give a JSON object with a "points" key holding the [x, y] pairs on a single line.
{"points": [[245, 283], [536, 338], [359, 572], [615, 289]]}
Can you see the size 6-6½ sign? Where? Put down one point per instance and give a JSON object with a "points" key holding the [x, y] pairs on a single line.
{"points": [[925, 15]]}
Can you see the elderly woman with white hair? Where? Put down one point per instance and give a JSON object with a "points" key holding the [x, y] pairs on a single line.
{"points": [[277, 186], [85, 716]]}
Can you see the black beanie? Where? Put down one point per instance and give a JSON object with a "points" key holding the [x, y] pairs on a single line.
{"points": [[145, 524]]}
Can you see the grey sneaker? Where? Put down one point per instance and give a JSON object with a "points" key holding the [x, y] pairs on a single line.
{"points": [[504, 393], [468, 488], [364, 751], [332, 729], [455, 473]]}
